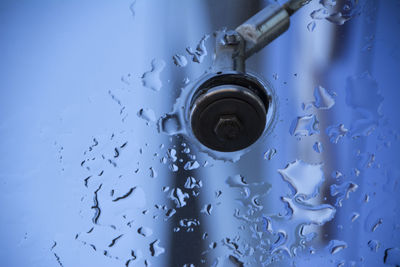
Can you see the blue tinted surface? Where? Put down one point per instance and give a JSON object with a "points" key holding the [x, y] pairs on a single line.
{"points": [[86, 179]]}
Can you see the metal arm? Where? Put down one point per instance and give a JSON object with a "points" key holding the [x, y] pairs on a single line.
{"points": [[234, 47]]}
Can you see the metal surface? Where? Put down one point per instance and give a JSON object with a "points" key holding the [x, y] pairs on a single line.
{"points": [[228, 112], [263, 28], [268, 24]]}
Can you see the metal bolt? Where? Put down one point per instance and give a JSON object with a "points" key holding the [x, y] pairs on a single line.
{"points": [[232, 38], [228, 127]]}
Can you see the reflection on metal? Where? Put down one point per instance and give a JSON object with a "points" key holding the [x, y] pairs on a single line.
{"points": [[228, 112]]}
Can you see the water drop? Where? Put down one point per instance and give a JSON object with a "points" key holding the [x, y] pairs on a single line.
{"points": [[147, 114], [392, 256], [323, 99], [171, 153], [374, 245], [236, 181], [173, 167], [207, 209], [342, 191], [376, 225], [132, 8], [192, 183], [337, 175], [335, 246], [306, 214], [151, 79], [145, 231], [336, 132], [311, 26], [304, 178], [155, 248], [178, 197], [180, 60], [304, 126], [153, 173], [189, 223], [354, 216], [318, 147], [170, 213], [191, 165], [169, 124], [270, 153], [200, 52], [319, 13], [336, 18]]}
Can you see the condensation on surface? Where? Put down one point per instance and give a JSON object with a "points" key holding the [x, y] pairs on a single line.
{"points": [[138, 195]]}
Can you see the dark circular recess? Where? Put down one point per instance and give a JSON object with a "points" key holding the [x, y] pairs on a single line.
{"points": [[228, 112]]}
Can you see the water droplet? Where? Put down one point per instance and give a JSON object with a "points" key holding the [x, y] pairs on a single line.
{"points": [[153, 173], [337, 18], [323, 99], [342, 191], [191, 165], [200, 52], [145, 231], [236, 181], [189, 223], [335, 246], [337, 175], [132, 8], [374, 245], [328, 3], [147, 114], [392, 256], [192, 183], [151, 79], [311, 26], [96, 205], [270, 153], [170, 213], [180, 60], [318, 147], [319, 13], [354, 216], [304, 178], [178, 197], [303, 213], [207, 209], [155, 248], [171, 153], [304, 126], [173, 167], [376, 225], [336, 132], [169, 124]]}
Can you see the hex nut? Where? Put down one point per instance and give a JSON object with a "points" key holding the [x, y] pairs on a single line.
{"points": [[228, 127]]}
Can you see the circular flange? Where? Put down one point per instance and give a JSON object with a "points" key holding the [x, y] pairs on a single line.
{"points": [[228, 112]]}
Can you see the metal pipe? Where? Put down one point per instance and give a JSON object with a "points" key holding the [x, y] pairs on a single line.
{"points": [[265, 26], [234, 47]]}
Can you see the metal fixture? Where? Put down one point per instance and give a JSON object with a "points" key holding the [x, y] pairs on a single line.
{"points": [[229, 109]]}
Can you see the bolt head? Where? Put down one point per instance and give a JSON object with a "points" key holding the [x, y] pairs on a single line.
{"points": [[228, 127], [232, 38]]}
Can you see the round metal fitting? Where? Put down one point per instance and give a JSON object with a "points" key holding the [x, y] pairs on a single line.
{"points": [[228, 111]]}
